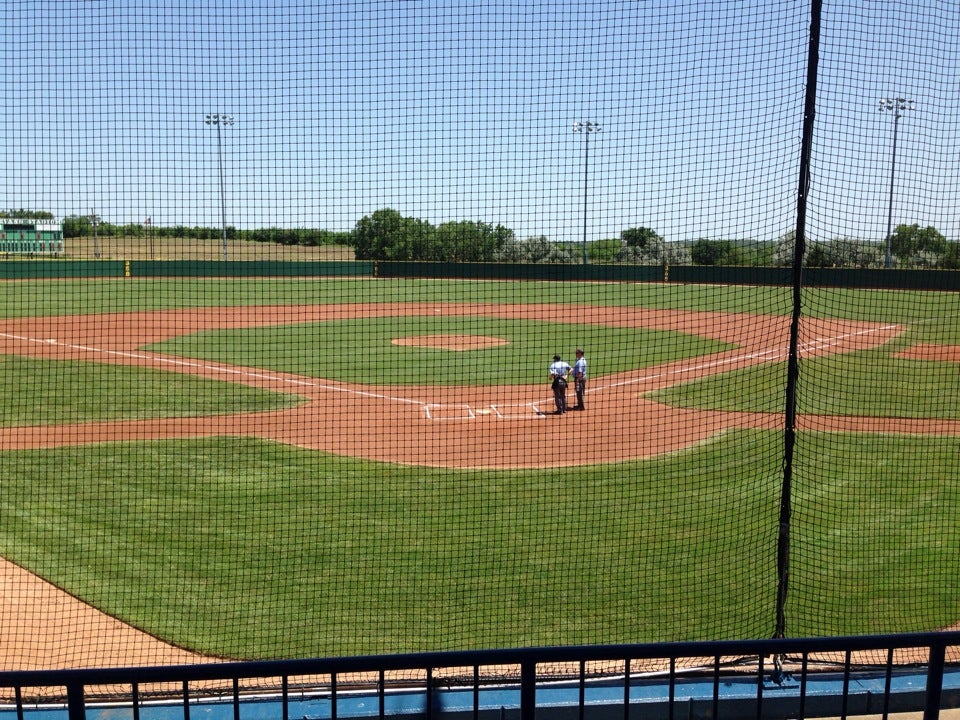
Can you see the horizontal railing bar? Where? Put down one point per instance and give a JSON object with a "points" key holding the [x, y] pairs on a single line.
{"points": [[509, 656]]}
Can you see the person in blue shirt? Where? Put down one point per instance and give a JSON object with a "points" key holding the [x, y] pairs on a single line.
{"points": [[580, 379], [559, 370]]}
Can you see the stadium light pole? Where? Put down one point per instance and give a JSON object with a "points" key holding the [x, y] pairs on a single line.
{"points": [[218, 120], [586, 127], [897, 106]]}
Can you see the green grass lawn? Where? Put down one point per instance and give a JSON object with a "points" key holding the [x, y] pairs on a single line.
{"points": [[251, 549], [64, 297], [247, 548], [67, 297], [36, 392], [362, 350], [869, 383]]}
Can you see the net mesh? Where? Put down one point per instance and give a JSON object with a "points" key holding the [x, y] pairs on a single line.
{"points": [[256, 406]]}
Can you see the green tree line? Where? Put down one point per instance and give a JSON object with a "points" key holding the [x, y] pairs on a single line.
{"points": [[911, 246], [387, 235], [87, 225]]}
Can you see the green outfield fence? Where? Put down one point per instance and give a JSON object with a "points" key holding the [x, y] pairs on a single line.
{"points": [[221, 441], [691, 274]]}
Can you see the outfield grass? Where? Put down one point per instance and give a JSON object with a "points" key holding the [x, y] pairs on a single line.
{"points": [[38, 392], [39, 298], [869, 383], [246, 548], [362, 350], [66, 297]]}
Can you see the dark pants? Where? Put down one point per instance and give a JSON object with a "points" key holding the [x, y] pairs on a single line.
{"points": [[560, 394], [580, 385]]}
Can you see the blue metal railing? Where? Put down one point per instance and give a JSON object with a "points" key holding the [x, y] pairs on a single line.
{"points": [[782, 678]]}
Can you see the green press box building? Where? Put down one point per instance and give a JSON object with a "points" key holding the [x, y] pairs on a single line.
{"points": [[29, 237]]}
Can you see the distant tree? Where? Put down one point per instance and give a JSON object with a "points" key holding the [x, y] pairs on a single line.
{"points": [[914, 245], [513, 251], [951, 257], [538, 249], [708, 252], [387, 235], [133, 230], [604, 251], [818, 256], [204, 233], [637, 256], [641, 237], [373, 232], [844, 252], [22, 214], [763, 253], [676, 253], [641, 245], [77, 226], [333, 237], [861, 253], [783, 253], [468, 241], [105, 229], [716, 252], [283, 236]]}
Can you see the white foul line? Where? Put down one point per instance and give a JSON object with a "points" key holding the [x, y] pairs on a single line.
{"points": [[777, 353], [159, 359]]}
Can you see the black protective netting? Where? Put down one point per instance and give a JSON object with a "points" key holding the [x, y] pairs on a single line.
{"points": [[282, 284]]}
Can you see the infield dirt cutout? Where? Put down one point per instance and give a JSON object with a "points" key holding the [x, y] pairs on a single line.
{"points": [[42, 627]]}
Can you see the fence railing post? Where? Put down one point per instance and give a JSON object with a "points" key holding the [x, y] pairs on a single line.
{"points": [[76, 705], [935, 666], [528, 690]]}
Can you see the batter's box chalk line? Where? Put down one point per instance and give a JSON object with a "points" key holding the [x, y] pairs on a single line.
{"points": [[444, 412]]}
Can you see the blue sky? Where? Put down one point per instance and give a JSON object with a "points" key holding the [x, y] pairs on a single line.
{"points": [[463, 110]]}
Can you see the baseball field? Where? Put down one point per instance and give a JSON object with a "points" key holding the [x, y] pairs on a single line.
{"points": [[299, 467]]}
